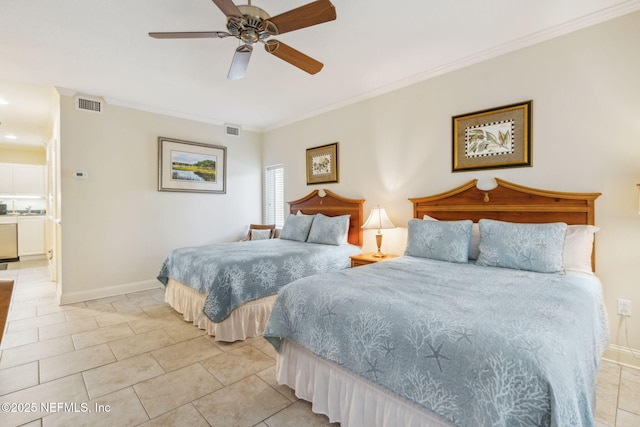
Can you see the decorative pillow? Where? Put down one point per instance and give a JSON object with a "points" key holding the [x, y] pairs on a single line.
{"points": [[474, 247], [260, 234], [578, 245], [532, 247], [440, 240], [296, 227], [329, 230]]}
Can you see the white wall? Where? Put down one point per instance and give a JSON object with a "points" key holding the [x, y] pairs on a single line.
{"points": [[24, 155], [585, 88], [117, 228]]}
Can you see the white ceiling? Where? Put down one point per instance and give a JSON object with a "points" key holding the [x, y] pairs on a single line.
{"points": [[101, 48]]}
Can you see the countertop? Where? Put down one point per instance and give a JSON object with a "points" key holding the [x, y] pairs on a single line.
{"points": [[12, 218], [24, 213]]}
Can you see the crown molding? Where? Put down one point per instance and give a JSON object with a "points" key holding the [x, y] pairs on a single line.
{"points": [[63, 91], [508, 47]]}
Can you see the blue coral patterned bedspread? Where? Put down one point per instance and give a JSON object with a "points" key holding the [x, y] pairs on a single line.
{"points": [[479, 346], [231, 274]]}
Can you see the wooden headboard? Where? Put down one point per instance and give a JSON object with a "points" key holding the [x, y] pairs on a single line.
{"points": [[333, 205], [508, 202]]}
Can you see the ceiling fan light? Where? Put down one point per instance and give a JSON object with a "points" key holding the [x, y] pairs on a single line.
{"points": [[249, 36], [240, 62]]}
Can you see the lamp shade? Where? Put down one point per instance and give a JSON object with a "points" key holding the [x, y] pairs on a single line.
{"points": [[378, 219]]}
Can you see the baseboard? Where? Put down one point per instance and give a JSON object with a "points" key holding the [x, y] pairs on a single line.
{"points": [[74, 297], [622, 356]]}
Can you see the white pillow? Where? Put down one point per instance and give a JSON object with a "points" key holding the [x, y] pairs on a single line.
{"points": [[578, 246], [299, 213]]}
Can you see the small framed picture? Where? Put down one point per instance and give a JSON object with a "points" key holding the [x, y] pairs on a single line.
{"points": [[495, 138], [322, 164], [191, 166]]}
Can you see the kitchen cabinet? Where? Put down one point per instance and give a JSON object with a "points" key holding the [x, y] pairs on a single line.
{"points": [[28, 180], [31, 235], [6, 179], [22, 180]]}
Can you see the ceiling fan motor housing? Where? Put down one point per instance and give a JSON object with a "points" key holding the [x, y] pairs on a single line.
{"points": [[253, 26]]}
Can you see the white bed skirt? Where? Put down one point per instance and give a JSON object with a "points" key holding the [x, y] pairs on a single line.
{"points": [[246, 321], [344, 397]]}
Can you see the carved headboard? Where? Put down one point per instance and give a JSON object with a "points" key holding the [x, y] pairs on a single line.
{"points": [[333, 205], [508, 202]]}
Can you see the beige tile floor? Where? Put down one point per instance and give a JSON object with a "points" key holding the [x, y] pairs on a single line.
{"points": [[131, 360]]}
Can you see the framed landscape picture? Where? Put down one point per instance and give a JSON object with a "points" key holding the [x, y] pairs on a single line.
{"points": [[191, 166], [495, 138], [322, 164]]}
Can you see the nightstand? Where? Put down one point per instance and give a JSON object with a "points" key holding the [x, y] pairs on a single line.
{"points": [[368, 258]]}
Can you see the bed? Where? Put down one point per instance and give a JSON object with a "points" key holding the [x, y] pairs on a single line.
{"points": [[228, 289], [431, 339]]}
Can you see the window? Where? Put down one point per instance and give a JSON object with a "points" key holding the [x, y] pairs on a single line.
{"points": [[274, 195]]}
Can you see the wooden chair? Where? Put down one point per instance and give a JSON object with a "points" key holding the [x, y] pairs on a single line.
{"points": [[252, 227]]}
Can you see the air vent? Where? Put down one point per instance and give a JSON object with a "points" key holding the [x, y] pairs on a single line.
{"points": [[232, 130], [87, 104]]}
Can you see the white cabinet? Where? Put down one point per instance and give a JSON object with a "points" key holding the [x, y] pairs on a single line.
{"points": [[31, 235], [6, 179], [28, 180], [22, 180]]}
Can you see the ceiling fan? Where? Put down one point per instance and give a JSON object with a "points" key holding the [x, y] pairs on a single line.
{"points": [[251, 25]]}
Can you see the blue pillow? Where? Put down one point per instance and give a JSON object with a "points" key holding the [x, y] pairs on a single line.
{"points": [[531, 247], [329, 230], [296, 227], [440, 240]]}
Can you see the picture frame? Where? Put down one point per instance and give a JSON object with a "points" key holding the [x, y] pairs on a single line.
{"points": [[494, 138], [191, 166], [322, 164]]}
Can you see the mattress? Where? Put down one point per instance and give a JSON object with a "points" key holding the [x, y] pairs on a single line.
{"points": [[475, 345], [230, 275]]}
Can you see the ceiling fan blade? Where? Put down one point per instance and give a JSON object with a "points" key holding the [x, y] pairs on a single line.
{"points": [[191, 35], [293, 57], [240, 62], [304, 16], [228, 8]]}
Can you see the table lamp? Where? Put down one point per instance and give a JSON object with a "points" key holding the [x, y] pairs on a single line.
{"points": [[378, 220]]}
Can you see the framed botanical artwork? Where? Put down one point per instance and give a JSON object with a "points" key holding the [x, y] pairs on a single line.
{"points": [[495, 138], [322, 164], [191, 166]]}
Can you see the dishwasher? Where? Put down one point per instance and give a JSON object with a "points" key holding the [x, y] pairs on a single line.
{"points": [[8, 241]]}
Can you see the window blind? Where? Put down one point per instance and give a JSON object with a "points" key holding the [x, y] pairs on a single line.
{"points": [[274, 195]]}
